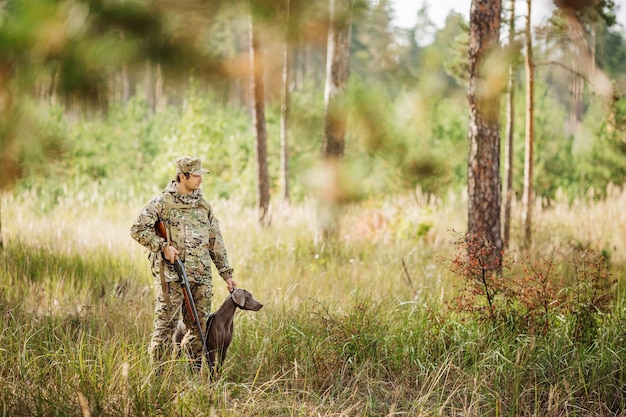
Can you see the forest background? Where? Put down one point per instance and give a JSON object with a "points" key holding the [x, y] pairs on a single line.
{"points": [[377, 322], [408, 114]]}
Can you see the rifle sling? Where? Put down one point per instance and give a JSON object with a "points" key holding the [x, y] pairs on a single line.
{"points": [[164, 286]]}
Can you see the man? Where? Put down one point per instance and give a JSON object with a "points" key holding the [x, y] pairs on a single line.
{"points": [[194, 237]]}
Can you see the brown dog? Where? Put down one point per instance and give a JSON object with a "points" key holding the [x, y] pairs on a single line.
{"points": [[220, 325]]}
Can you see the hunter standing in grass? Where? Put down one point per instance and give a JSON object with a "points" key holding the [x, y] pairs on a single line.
{"points": [[195, 238]]}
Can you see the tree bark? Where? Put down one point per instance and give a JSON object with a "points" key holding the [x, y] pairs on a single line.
{"points": [[124, 84], [510, 132], [577, 89], [484, 185], [337, 72], [335, 113], [258, 120], [1, 240], [154, 86], [584, 55], [528, 197], [284, 111]]}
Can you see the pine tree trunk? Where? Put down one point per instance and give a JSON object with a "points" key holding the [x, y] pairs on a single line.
{"points": [[337, 72], [335, 112], [125, 85], [584, 51], [52, 89], [528, 197], [577, 88], [284, 112], [1, 224], [484, 185], [510, 132], [258, 119], [154, 86]]}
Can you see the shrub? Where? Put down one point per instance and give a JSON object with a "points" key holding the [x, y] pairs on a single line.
{"points": [[532, 291]]}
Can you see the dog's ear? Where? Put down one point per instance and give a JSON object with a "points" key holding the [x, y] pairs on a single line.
{"points": [[239, 297]]}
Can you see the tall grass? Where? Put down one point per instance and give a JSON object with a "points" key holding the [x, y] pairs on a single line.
{"points": [[354, 327]]}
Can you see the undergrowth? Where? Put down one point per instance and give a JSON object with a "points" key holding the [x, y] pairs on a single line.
{"points": [[357, 327], [530, 293]]}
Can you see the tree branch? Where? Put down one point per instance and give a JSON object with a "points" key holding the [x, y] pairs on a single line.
{"points": [[565, 67]]}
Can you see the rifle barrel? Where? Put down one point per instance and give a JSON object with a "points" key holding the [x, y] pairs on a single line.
{"points": [[191, 306]]}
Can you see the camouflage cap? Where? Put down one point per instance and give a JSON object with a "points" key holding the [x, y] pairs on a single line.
{"points": [[191, 165]]}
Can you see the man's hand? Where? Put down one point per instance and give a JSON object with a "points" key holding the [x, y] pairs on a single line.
{"points": [[170, 253], [231, 284]]}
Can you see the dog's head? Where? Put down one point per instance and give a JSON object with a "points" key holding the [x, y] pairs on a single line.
{"points": [[244, 300]]}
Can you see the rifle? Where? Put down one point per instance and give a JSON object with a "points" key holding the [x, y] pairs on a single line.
{"points": [[179, 266]]}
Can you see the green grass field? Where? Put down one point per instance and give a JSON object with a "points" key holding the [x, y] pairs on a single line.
{"points": [[361, 326]]}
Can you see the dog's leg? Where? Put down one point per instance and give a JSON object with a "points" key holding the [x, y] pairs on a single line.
{"points": [[177, 337]]}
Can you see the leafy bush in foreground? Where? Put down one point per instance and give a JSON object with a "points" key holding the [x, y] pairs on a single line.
{"points": [[532, 293]]}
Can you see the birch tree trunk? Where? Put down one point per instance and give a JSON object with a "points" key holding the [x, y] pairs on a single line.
{"points": [[528, 197], [484, 185], [258, 120]]}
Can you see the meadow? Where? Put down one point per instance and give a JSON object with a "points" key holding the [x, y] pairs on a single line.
{"points": [[363, 325]]}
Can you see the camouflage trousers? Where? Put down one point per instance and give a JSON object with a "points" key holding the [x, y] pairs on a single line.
{"points": [[165, 320]]}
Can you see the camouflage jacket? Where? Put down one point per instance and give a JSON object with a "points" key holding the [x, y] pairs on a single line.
{"points": [[193, 230]]}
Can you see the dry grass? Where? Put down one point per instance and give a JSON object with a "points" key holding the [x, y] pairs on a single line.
{"points": [[352, 327]]}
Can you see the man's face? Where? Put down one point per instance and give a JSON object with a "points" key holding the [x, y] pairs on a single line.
{"points": [[190, 184]]}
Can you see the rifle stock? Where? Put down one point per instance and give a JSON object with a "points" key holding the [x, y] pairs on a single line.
{"points": [[159, 228]]}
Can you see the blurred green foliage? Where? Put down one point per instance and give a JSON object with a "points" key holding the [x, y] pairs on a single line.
{"points": [[394, 144], [407, 119]]}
